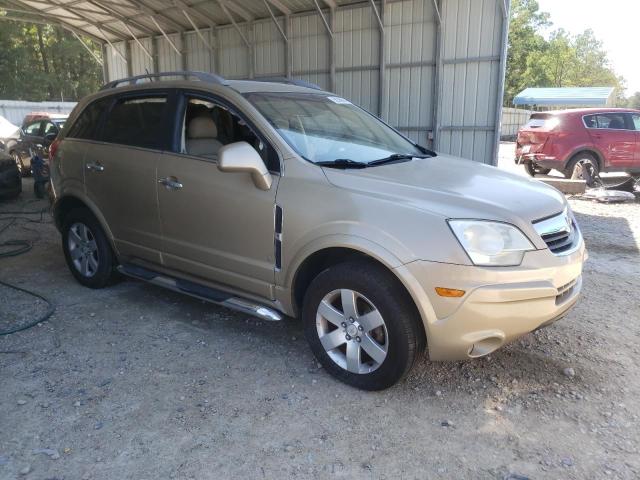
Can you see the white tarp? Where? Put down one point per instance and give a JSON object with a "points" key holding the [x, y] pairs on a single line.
{"points": [[7, 128]]}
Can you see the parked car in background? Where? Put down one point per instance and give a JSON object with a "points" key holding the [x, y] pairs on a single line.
{"points": [[38, 130], [10, 178], [280, 199], [7, 131], [606, 139]]}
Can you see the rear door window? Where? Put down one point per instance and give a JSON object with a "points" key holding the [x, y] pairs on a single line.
{"points": [[88, 123], [635, 118], [611, 121], [138, 122]]}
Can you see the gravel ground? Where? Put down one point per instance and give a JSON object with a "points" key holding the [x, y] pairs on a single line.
{"points": [[135, 382]]}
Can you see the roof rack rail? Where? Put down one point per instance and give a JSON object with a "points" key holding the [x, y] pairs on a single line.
{"points": [[202, 76], [288, 81]]}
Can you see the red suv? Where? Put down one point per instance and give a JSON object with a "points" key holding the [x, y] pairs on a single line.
{"points": [[606, 138]]}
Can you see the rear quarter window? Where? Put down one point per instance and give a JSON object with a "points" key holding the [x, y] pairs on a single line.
{"points": [[87, 123]]}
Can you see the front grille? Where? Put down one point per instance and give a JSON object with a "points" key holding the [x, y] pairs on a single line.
{"points": [[560, 241], [559, 232]]}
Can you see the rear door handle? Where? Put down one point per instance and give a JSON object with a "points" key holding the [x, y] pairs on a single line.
{"points": [[95, 167], [170, 183]]}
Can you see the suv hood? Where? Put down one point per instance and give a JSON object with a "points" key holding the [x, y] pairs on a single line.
{"points": [[455, 188]]}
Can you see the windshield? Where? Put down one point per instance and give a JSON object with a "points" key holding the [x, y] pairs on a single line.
{"points": [[323, 128]]}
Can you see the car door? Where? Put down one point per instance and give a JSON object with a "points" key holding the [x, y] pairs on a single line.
{"points": [[635, 121], [614, 138], [120, 172], [217, 226]]}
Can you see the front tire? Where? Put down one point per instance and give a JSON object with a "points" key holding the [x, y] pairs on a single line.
{"points": [[87, 250], [362, 325]]}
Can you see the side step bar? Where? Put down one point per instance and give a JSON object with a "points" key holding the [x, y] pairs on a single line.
{"points": [[201, 291]]}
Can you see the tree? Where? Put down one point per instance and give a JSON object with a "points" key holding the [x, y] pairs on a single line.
{"points": [[45, 62], [562, 60], [634, 101], [524, 37]]}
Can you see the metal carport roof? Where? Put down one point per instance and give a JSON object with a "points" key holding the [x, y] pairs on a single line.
{"points": [[115, 20], [569, 96]]}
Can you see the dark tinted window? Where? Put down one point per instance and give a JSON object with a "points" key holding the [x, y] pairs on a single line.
{"points": [[137, 122], [86, 126], [613, 121]]}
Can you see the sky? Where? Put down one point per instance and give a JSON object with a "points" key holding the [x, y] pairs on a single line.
{"points": [[615, 23]]}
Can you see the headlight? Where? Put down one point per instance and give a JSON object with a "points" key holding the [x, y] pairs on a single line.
{"points": [[491, 243]]}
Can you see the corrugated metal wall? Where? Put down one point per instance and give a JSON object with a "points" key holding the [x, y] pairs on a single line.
{"points": [[442, 74]]}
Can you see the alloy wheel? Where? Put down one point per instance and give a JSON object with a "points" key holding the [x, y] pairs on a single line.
{"points": [[83, 249], [352, 331]]}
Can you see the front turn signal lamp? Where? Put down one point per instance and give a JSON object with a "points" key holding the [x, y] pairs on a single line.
{"points": [[449, 292]]}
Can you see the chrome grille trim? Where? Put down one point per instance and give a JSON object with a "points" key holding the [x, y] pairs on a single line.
{"points": [[560, 233]]}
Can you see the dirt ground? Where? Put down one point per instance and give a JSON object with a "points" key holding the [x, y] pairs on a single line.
{"points": [[135, 382]]}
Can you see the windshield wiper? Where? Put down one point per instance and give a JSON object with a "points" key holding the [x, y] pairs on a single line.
{"points": [[342, 163], [396, 157]]}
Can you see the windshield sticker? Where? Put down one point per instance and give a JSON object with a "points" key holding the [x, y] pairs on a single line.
{"points": [[339, 100]]}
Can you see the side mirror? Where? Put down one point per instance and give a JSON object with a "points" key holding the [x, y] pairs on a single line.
{"points": [[242, 157], [50, 137]]}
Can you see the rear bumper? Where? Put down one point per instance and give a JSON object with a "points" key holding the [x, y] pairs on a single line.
{"points": [[541, 159], [500, 304]]}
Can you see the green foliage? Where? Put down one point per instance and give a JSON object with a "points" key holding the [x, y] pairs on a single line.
{"points": [[562, 60], [633, 101], [43, 62]]}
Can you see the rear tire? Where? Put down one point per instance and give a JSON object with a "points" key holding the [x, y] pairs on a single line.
{"points": [[533, 169], [87, 249], [583, 159], [372, 338]]}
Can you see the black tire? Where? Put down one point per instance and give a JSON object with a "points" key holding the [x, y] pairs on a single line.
{"points": [[404, 330], [533, 169], [583, 158], [105, 273], [24, 171]]}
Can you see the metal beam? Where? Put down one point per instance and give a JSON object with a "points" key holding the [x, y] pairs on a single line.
{"points": [[330, 3], [332, 50], [166, 19], [288, 59], [190, 8], [324, 20], [382, 72], [105, 64], [93, 54], [503, 69], [62, 23], [280, 6], [144, 49], [124, 19], [436, 94], [197, 30], [223, 5], [375, 10], [275, 20], [114, 50], [166, 37]]}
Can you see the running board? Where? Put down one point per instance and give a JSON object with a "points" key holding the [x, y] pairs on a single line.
{"points": [[201, 291]]}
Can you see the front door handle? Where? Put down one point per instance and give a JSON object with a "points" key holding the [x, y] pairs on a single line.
{"points": [[95, 167], [170, 183]]}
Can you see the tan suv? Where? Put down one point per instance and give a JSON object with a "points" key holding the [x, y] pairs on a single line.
{"points": [[277, 198]]}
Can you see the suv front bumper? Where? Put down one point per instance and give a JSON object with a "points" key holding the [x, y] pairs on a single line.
{"points": [[500, 304]]}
